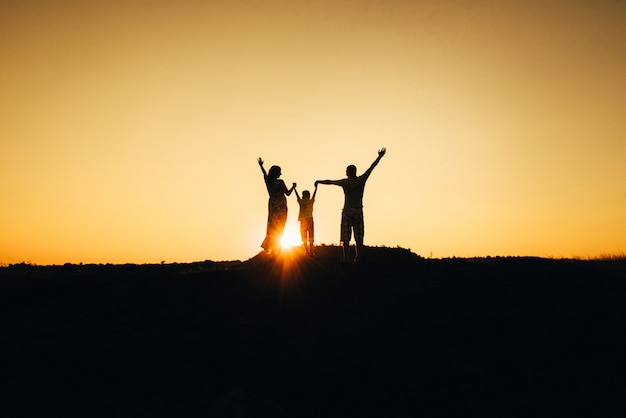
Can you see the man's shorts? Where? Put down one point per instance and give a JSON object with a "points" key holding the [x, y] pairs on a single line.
{"points": [[352, 218]]}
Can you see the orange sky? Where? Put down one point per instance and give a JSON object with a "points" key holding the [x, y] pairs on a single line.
{"points": [[129, 131]]}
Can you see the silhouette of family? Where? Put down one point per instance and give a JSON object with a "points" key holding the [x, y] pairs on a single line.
{"points": [[351, 216]]}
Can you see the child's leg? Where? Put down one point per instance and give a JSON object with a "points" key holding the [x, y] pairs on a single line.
{"points": [[311, 236], [303, 232]]}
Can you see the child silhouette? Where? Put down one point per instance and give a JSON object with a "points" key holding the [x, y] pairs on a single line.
{"points": [[305, 216]]}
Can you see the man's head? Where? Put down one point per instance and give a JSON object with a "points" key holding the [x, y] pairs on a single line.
{"points": [[306, 194], [351, 171]]}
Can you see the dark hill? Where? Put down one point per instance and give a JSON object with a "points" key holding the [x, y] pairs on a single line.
{"points": [[295, 336]]}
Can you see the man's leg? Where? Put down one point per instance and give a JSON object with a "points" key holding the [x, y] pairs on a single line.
{"points": [[346, 234], [359, 232], [358, 250], [346, 251]]}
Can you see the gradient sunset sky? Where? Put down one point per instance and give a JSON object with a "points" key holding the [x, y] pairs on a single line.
{"points": [[130, 130]]}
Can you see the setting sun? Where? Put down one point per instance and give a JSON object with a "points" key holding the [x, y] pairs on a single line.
{"points": [[291, 238]]}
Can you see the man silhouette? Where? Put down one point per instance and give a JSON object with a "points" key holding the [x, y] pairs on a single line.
{"points": [[352, 213]]}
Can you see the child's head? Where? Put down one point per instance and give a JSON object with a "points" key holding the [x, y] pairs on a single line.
{"points": [[306, 194]]}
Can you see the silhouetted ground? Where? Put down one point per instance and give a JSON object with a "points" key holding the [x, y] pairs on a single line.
{"points": [[393, 336]]}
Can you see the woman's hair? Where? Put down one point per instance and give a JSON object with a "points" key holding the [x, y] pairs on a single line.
{"points": [[274, 172]]}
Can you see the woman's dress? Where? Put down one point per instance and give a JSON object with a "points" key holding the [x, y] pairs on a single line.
{"points": [[277, 214]]}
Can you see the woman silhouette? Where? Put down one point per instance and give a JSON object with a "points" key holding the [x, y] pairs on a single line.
{"points": [[276, 208]]}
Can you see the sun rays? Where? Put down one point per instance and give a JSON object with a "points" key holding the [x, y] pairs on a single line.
{"points": [[288, 265]]}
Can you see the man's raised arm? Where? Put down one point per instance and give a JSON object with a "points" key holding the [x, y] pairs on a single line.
{"points": [[381, 152]]}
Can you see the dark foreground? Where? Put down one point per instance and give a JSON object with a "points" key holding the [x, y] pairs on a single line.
{"points": [[306, 337]]}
